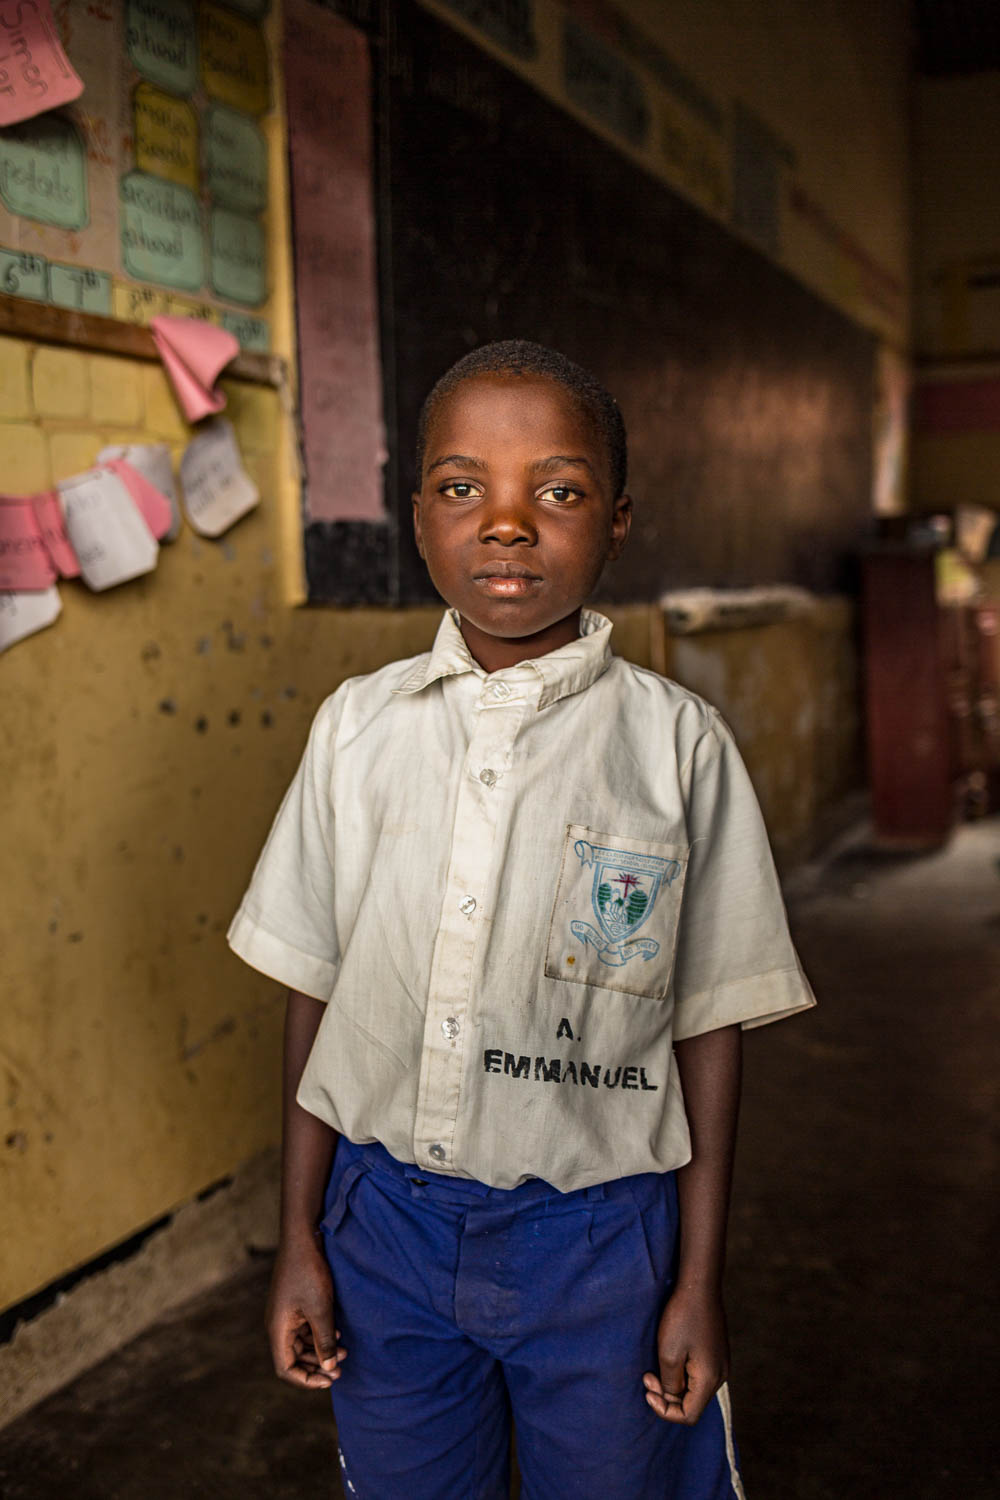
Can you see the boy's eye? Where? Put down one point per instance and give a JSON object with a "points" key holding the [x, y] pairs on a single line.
{"points": [[560, 493], [460, 489]]}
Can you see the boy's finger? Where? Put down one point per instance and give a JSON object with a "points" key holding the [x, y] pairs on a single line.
{"points": [[299, 1369], [325, 1340], [673, 1375], [659, 1400], [654, 1388], [284, 1350], [313, 1379], [700, 1391]]}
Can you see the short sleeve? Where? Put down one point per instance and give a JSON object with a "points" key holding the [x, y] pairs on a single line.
{"points": [[735, 959], [285, 926]]}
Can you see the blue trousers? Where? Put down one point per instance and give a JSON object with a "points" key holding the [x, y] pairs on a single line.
{"points": [[461, 1305]]}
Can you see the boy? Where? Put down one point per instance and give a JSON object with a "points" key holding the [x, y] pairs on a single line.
{"points": [[523, 898]]}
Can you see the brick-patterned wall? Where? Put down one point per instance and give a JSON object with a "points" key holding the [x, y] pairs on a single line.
{"points": [[59, 407]]}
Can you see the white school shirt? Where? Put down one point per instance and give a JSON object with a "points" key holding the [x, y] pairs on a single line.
{"points": [[515, 891]]}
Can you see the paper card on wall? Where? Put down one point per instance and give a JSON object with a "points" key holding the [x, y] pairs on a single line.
{"points": [[24, 558], [107, 532], [35, 73], [194, 354], [153, 462], [217, 488], [23, 614], [53, 527], [153, 507]]}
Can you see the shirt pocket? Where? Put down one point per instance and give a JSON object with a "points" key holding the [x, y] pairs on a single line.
{"points": [[616, 912]]}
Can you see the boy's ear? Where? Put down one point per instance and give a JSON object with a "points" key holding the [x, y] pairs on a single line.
{"points": [[416, 522], [621, 525]]}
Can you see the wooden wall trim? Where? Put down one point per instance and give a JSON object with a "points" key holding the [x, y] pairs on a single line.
{"points": [[22, 319]]}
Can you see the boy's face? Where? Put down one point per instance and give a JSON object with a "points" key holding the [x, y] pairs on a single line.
{"points": [[515, 516]]}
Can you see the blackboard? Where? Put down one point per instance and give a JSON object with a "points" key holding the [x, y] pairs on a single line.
{"points": [[747, 398]]}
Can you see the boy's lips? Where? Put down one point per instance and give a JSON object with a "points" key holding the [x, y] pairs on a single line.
{"points": [[506, 580]]}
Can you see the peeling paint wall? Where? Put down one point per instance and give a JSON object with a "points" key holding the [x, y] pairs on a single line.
{"points": [[790, 693]]}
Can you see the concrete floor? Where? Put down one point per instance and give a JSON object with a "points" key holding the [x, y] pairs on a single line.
{"points": [[862, 1280]]}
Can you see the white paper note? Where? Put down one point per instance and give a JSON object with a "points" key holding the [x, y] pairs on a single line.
{"points": [[217, 488], [23, 614], [108, 534], [154, 463]]}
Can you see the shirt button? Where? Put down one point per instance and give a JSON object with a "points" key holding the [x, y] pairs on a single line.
{"points": [[451, 1028], [500, 690], [488, 777], [468, 906], [438, 1152]]}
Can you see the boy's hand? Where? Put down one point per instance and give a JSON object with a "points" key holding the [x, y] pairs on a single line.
{"points": [[694, 1356], [305, 1343]]}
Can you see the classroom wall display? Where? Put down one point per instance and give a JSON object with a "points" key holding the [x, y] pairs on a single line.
{"points": [[148, 194], [748, 398], [105, 525]]}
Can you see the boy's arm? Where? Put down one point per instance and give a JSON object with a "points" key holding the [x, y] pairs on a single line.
{"points": [[300, 1312], [692, 1344]]}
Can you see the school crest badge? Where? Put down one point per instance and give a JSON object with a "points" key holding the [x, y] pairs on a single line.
{"points": [[624, 891]]}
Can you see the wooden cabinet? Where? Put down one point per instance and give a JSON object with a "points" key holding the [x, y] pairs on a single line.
{"points": [[932, 692], [910, 758]]}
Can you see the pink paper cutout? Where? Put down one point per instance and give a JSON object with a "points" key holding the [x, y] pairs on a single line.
{"points": [[151, 503], [52, 524], [25, 563], [35, 73], [331, 154], [194, 354]]}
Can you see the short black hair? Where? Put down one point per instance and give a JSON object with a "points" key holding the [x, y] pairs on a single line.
{"points": [[521, 357]]}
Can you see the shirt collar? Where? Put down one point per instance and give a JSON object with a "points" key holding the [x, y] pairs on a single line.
{"points": [[568, 669]]}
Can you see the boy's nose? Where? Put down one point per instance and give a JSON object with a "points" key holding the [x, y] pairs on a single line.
{"points": [[508, 520]]}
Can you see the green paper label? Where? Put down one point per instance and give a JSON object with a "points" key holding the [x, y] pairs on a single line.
{"points": [[162, 42], [87, 291], [252, 333], [235, 160], [161, 232], [43, 171], [239, 265], [24, 276]]}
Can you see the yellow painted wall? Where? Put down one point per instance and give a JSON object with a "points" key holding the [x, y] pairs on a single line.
{"points": [[789, 691]]}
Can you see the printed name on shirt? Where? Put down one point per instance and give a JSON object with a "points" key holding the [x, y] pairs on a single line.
{"points": [[559, 1070]]}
